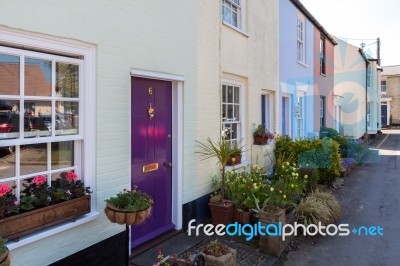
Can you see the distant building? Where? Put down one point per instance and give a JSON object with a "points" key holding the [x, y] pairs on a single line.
{"points": [[390, 95]]}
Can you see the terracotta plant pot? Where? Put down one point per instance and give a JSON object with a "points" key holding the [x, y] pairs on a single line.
{"points": [[119, 216], [259, 140], [224, 260], [234, 160], [25, 223], [5, 258], [242, 217], [222, 213]]}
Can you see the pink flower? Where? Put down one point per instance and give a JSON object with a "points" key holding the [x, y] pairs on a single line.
{"points": [[68, 192], [16, 203], [39, 180], [71, 176], [4, 189]]}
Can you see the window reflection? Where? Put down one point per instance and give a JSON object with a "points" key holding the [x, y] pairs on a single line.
{"points": [[67, 118], [37, 77], [67, 80], [37, 118], [62, 154], [9, 119], [7, 161], [9, 74], [33, 158]]}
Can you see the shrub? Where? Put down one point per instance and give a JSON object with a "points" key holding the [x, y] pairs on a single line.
{"points": [[311, 176], [329, 133], [319, 153], [318, 207]]}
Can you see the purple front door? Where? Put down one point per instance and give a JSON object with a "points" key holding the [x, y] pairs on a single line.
{"points": [[151, 138]]}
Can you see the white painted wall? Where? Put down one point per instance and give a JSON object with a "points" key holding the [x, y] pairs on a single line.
{"points": [[151, 35]]}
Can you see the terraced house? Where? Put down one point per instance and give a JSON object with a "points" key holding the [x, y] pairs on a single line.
{"points": [[108, 89]]}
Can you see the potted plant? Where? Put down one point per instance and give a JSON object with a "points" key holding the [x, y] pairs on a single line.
{"points": [[129, 207], [236, 156], [262, 135], [4, 253], [217, 254], [41, 205], [222, 209]]}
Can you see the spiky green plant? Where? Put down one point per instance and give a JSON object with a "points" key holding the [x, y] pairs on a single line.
{"points": [[222, 150]]}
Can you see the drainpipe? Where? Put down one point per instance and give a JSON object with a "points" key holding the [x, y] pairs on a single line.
{"points": [[366, 90]]}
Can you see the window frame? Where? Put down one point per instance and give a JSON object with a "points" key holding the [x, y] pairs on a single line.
{"points": [[322, 55], [267, 110], [322, 106], [383, 87], [57, 46], [300, 40], [229, 4]]}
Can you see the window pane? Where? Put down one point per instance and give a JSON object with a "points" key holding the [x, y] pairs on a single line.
{"points": [[224, 112], [67, 80], [9, 119], [7, 161], [236, 113], [230, 112], [37, 118], [9, 74], [227, 14], [236, 94], [62, 154], [224, 93], [234, 131], [37, 77], [33, 158], [230, 94], [67, 118]]}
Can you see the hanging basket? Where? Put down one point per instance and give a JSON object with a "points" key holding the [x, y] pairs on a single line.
{"points": [[119, 216]]}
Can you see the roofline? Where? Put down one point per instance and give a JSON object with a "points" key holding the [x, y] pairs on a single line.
{"points": [[363, 55], [307, 13]]}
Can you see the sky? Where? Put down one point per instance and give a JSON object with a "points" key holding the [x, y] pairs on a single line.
{"points": [[361, 21]]}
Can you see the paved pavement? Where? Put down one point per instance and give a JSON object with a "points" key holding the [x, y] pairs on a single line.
{"points": [[369, 197]]}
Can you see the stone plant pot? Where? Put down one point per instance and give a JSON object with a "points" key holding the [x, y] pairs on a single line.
{"points": [[222, 213], [273, 245], [224, 260], [119, 216], [5, 258]]}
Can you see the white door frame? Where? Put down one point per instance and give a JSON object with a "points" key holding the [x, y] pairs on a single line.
{"points": [[177, 137]]}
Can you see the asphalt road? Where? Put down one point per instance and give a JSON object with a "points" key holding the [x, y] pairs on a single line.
{"points": [[369, 197]]}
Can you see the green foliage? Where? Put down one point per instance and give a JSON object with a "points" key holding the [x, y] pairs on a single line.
{"points": [[311, 175], [3, 247], [131, 200], [287, 187], [320, 153], [261, 131], [328, 133], [27, 203], [319, 207], [216, 248], [241, 185], [222, 150]]}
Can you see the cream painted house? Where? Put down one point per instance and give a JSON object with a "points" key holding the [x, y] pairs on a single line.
{"points": [[200, 73], [390, 95]]}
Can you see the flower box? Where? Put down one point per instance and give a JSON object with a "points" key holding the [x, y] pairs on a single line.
{"points": [[224, 260], [242, 217], [15, 226], [260, 140], [234, 160]]}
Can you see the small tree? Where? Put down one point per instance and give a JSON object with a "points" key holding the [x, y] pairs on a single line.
{"points": [[222, 150]]}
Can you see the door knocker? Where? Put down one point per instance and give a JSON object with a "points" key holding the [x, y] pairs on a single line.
{"points": [[150, 111]]}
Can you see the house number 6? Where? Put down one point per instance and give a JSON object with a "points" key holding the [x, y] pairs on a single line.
{"points": [[150, 90]]}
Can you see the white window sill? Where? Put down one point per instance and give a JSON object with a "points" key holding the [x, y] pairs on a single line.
{"points": [[52, 231], [301, 63], [236, 29]]}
